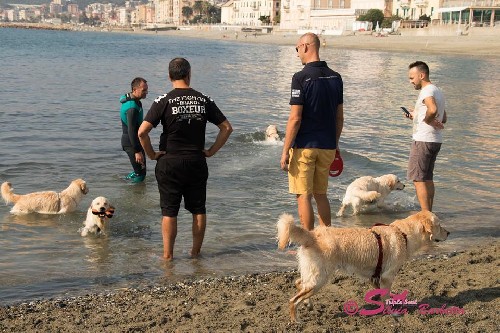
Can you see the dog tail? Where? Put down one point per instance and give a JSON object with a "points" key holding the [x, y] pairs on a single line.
{"points": [[367, 195], [289, 232], [7, 194]]}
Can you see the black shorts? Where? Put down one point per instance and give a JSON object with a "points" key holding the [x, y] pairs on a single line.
{"points": [[178, 178], [422, 159]]}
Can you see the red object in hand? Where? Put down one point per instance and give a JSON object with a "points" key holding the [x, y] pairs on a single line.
{"points": [[337, 165]]}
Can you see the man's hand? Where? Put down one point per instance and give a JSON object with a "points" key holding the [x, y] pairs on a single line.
{"points": [[436, 124], [285, 158], [139, 158], [156, 155]]}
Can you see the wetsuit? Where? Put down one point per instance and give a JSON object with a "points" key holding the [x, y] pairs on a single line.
{"points": [[131, 115]]}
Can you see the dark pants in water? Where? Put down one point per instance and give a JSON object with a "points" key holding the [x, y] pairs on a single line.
{"points": [[139, 169]]}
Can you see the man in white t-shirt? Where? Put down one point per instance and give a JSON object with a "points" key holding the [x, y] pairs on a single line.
{"points": [[428, 117]]}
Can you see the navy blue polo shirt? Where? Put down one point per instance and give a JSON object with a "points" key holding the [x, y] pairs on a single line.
{"points": [[320, 91]]}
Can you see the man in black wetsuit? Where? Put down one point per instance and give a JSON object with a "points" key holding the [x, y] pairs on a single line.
{"points": [[131, 114], [181, 170]]}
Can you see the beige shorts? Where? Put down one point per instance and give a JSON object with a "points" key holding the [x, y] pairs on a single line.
{"points": [[308, 170]]}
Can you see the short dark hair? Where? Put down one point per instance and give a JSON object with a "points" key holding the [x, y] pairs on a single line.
{"points": [[179, 69], [421, 66], [137, 82]]}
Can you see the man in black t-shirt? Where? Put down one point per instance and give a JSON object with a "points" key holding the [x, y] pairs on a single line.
{"points": [[181, 170]]}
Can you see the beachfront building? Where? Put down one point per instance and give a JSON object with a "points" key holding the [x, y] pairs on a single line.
{"points": [[250, 12], [474, 13], [227, 12], [481, 13], [144, 14], [328, 17], [414, 9], [169, 12]]}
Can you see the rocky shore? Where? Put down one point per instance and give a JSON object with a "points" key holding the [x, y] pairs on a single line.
{"points": [[458, 292]]}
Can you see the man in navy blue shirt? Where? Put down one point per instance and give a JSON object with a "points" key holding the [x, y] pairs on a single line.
{"points": [[313, 130]]}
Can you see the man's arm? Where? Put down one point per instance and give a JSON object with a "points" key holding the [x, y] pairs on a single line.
{"points": [[432, 111], [144, 130], [225, 130], [339, 124], [292, 128]]}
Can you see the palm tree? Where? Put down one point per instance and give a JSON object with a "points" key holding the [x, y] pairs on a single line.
{"points": [[187, 12], [198, 7]]}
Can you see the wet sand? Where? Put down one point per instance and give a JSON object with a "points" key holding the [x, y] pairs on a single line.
{"points": [[458, 292]]}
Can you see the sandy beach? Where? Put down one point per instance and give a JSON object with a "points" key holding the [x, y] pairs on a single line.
{"points": [[457, 292], [484, 44]]}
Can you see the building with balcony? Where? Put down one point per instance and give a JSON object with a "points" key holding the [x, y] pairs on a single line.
{"points": [[328, 17], [414, 9], [248, 13], [475, 13]]}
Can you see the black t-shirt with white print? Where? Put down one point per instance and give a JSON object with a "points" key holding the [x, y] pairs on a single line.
{"points": [[184, 114]]}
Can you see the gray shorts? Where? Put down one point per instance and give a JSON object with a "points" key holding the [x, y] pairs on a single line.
{"points": [[422, 159]]}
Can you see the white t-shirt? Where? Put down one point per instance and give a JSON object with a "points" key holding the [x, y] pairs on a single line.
{"points": [[421, 130]]}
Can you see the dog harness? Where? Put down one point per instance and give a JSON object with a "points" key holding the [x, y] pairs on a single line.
{"points": [[378, 269]]}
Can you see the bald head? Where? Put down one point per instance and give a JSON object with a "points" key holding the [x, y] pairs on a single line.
{"points": [[310, 38], [308, 48]]}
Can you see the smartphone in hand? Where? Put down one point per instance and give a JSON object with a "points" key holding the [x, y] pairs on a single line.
{"points": [[405, 110]]}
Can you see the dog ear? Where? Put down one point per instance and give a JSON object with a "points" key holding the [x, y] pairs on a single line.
{"points": [[392, 181], [428, 223]]}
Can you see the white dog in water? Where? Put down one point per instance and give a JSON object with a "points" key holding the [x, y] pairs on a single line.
{"points": [[366, 190], [98, 214], [272, 134], [46, 202]]}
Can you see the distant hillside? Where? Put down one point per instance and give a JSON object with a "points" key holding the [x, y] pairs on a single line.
{"points": [[81, 3]]}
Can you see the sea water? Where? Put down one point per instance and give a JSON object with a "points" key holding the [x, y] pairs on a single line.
{"points": [[59, 121]]}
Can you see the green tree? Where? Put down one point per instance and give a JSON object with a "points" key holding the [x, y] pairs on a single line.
{"points": [[198, 7], [387, 22], [374, 16], [187, 12], [424, 18], [265, 19]]}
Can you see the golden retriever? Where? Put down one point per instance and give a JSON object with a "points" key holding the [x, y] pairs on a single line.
{"points": [[374, 254], [47, 202], [272, 134], [98, 215], [366, 190]]}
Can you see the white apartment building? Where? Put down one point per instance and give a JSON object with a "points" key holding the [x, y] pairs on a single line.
{"points": [[124, 16], [227, 12], [413, 9], [248, 12], [328, 17], [12, 14]]}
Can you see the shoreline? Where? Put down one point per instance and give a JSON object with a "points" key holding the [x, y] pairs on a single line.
{"points": [[479, 43], [458, 291]]}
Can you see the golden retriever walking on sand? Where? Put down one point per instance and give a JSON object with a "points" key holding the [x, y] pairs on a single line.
{"points": [[374, 254], [47, 202]]}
